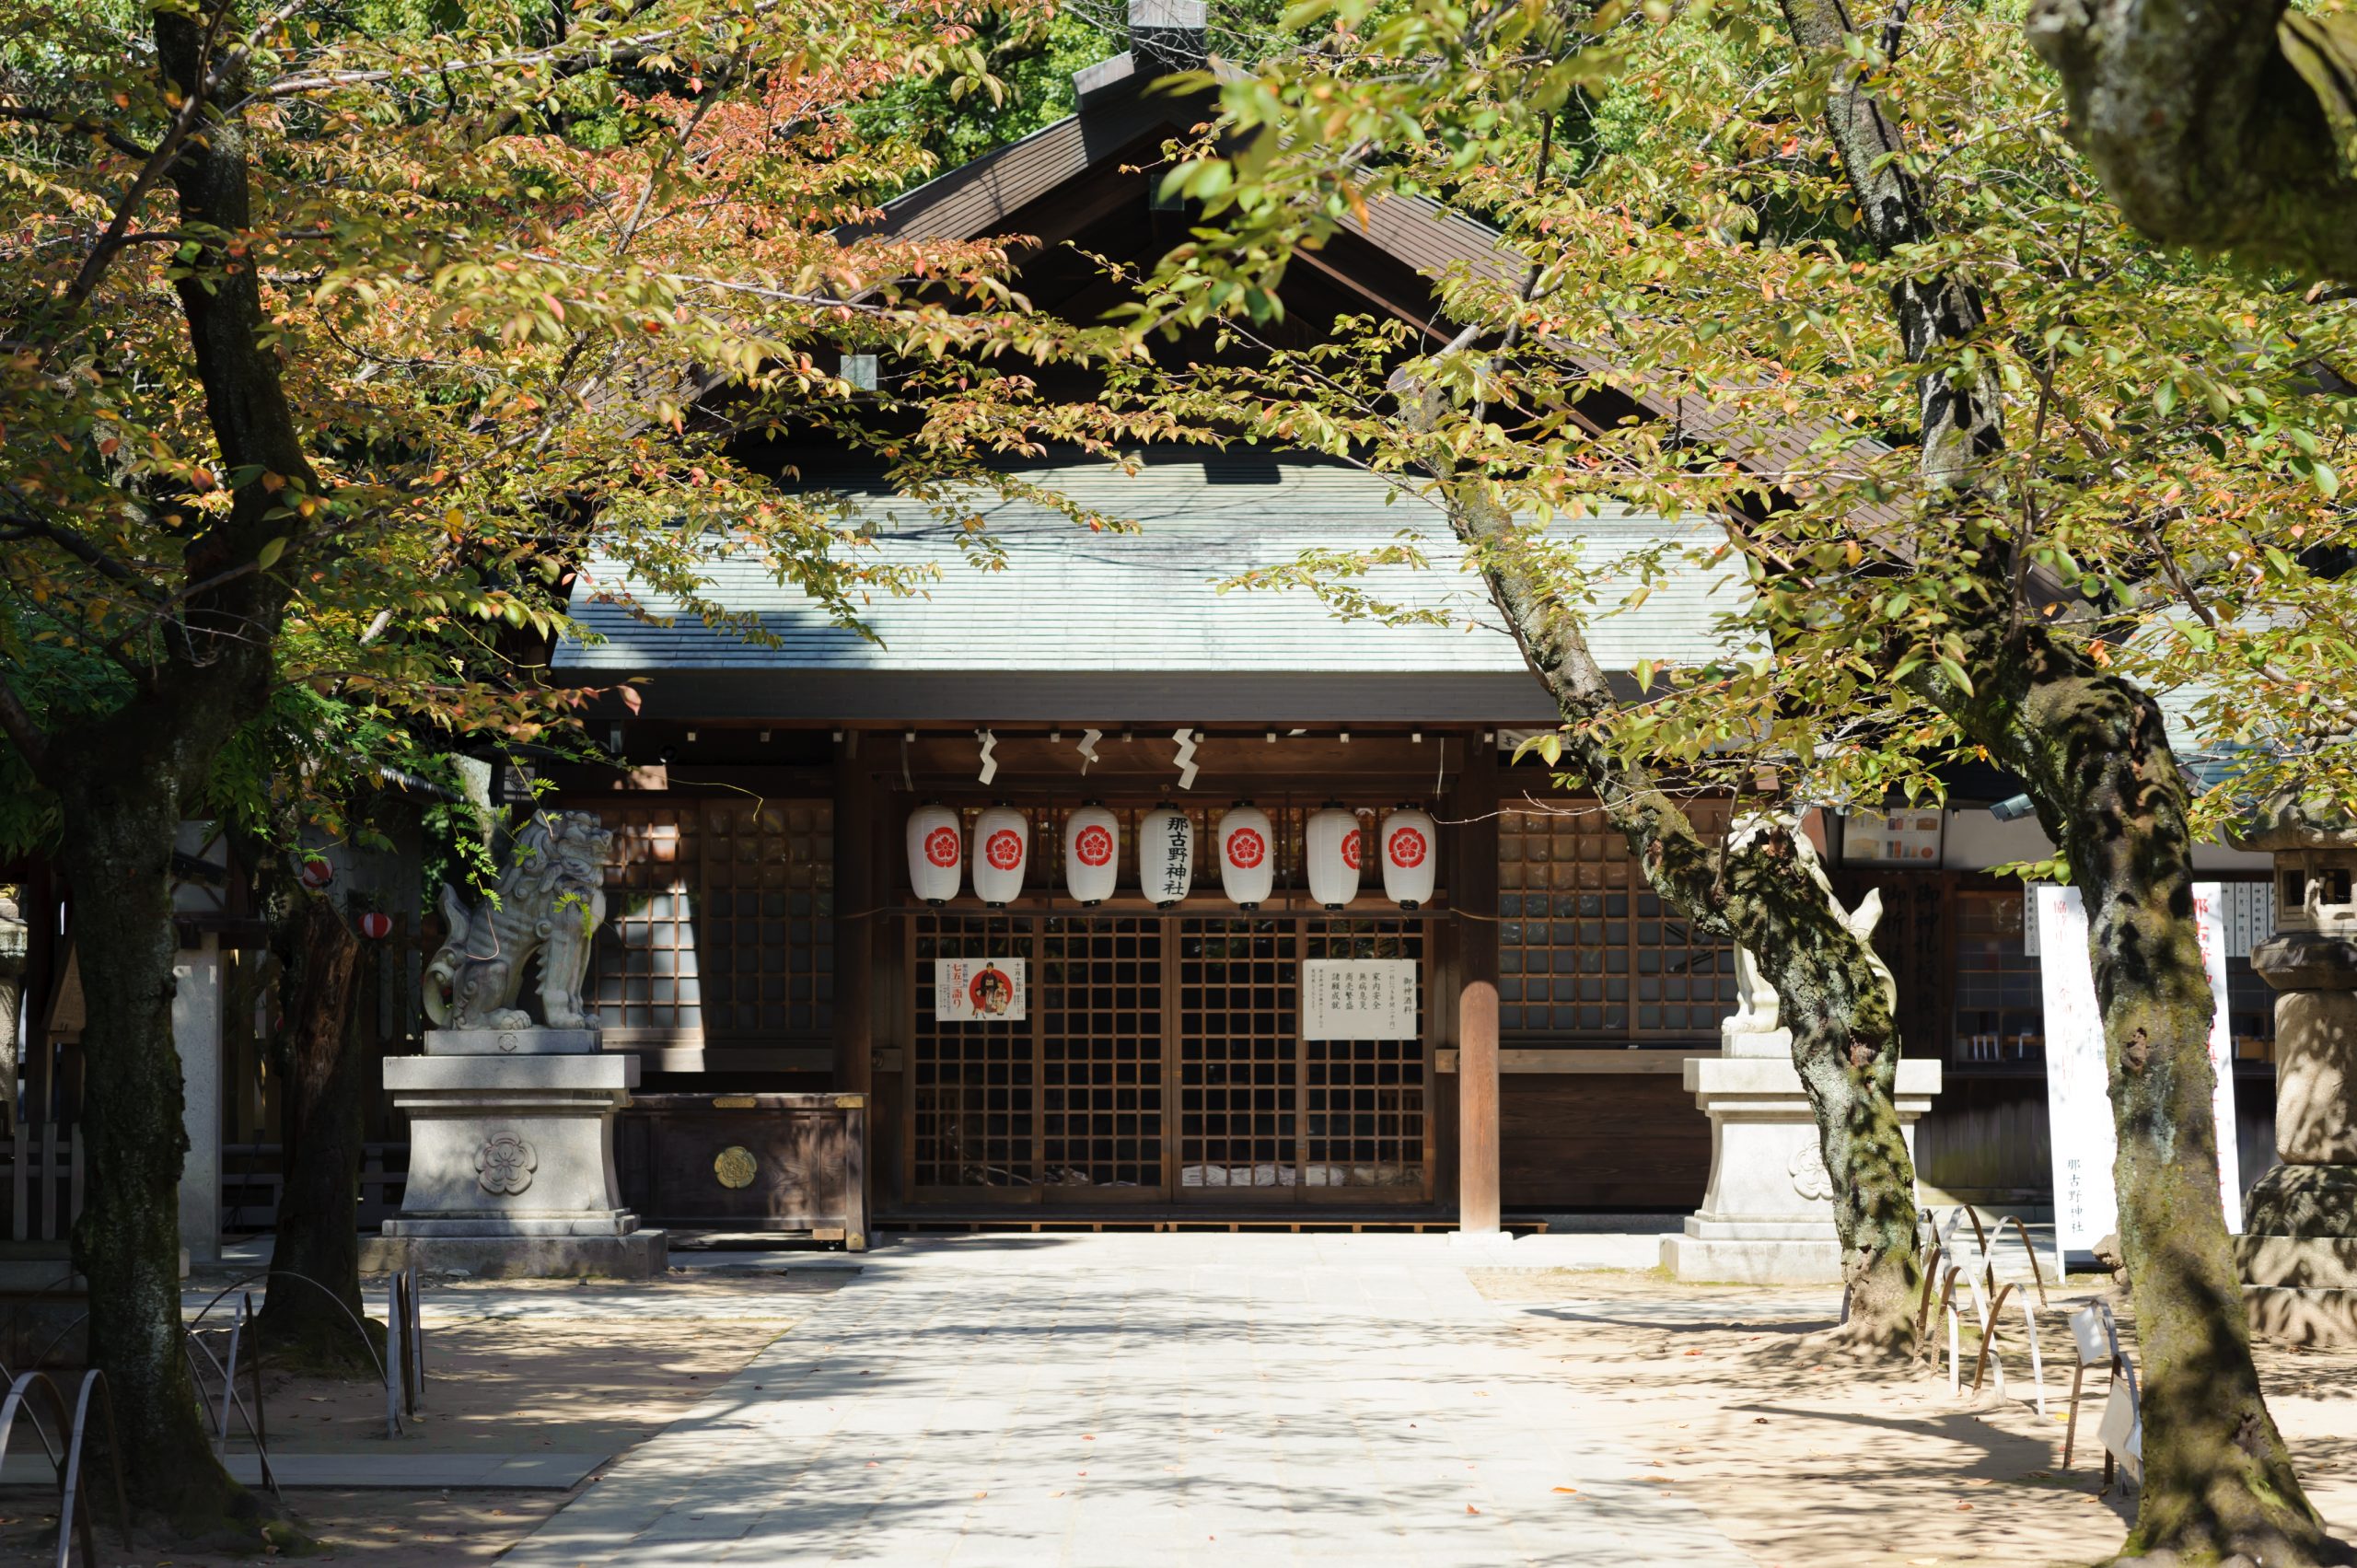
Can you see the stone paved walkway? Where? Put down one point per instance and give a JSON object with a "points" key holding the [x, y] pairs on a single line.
{"points": [[1114, 1401]]}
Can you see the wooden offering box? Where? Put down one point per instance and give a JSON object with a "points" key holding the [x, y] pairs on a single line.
{"points": [[753, 1162]]}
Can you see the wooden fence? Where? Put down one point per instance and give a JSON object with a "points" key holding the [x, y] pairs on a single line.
{"points": [[251, 1176], [44, 1160]]}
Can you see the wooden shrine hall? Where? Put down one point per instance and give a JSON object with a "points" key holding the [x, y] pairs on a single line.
{"points": [[978, 878], [1165, 829]]}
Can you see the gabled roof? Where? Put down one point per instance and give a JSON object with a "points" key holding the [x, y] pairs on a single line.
{"points": [[1119, 106], [1079, 625]]}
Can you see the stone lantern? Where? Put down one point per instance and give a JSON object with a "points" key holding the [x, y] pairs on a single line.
{"points": [[2299, 1247]]}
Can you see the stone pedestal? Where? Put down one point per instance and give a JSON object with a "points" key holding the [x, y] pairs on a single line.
{"points": [[197, 1036], [1768, 1217], [511, 1166], [2298, 1248]]}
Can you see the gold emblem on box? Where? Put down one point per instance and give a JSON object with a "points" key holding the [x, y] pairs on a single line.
{"points": [[735, 1166]]}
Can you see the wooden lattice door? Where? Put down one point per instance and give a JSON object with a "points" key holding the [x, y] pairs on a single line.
{"points": [[1161, 1061], [1101, 1050]]}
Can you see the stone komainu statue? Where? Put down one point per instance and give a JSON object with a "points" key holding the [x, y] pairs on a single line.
{"points": [[549, 902]]}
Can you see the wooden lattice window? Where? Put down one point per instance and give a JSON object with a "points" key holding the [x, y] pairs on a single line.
{"points": [[1100, 1051], [720, 922], [973, 1086], [1586, 951], [648, 947], [1239, 1099], [2000, 994], [769, 896], [1365, 1099]]}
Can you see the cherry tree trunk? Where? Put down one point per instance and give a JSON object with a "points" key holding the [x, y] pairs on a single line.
{"points": [[314, 1316], [119, 824]]}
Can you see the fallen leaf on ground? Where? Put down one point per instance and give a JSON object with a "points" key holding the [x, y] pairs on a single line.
{"points": [[1572, 1490], [1470, 1509]]}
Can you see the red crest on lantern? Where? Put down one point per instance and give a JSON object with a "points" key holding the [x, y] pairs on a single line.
{"points": [[1005, 849], [1246, 848], [1094, 846], [1406, 847], [941, 847]]}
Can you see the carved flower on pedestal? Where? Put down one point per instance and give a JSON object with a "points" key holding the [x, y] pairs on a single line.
{"points": [[504, 1164]]}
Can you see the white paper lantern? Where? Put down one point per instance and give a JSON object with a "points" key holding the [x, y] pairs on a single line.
{"points": [[1331, 841], [1092, 854], [1165, 854], [1410, 857], [1002, 852], [1248, 855], [937, 854]]}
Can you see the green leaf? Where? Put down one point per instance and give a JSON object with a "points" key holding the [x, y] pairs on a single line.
{"points": [[267, 557]]}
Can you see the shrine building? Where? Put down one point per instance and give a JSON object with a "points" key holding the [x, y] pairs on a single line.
{"points": [[1047, 879]]}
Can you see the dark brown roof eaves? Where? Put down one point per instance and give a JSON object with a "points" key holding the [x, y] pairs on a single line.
{"points": [[1422, 234], [1416, 231], [976, 199]]}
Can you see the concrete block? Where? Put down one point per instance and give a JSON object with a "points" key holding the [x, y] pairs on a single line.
{"points": [[640, 1255]]}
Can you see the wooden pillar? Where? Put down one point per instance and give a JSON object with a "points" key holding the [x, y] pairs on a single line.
{"points": [[855, 927], [1473, 894]]}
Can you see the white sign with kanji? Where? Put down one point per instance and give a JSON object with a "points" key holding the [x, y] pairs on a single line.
{"points": [[1358, 999], [2078, 1076], [978, 991]]}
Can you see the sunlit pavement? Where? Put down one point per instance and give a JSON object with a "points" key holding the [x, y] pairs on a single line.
{"points": [[1144, 1399]]}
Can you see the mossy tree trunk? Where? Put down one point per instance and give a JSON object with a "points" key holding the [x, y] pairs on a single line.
{"points": [[2218, 1478], [1764, 891], [313, 1314], [2098, 761], [120, 823]]}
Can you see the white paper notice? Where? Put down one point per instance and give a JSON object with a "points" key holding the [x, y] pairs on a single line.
{"points": [[1358, 999], [2078, 1084], [979, 990], [2210, 913]]}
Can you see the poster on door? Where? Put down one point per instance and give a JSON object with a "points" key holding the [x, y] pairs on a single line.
{"points": [[1358, 999], [979, 990], [2078, 1081]]}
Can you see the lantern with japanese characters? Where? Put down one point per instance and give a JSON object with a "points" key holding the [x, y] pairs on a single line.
{"points": [[1410, 857], [1248, 855], [1001, 850], [1165, 854], [1092, 854], [936, 853], [1332, 841]]}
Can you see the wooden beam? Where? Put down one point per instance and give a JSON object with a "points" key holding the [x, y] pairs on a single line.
{"points": [[1474, 895], [854, 926]]}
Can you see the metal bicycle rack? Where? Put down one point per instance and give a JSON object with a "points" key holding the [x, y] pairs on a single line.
{"points": [[74, 1424]]}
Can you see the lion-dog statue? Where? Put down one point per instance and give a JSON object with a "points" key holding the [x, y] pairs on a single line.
{"points": [[550, 901]]}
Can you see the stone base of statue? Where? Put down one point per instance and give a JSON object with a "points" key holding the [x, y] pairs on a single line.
{"points": [[511, 1165], [1767, 1216], [2299, 1247]]}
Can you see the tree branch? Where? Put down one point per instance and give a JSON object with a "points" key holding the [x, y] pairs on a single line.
{"points": [[26, 525], [17, 722]]}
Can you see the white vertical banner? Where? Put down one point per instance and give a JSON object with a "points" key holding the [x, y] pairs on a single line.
{"points": [[2078, 1081], [2210, 918]]}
